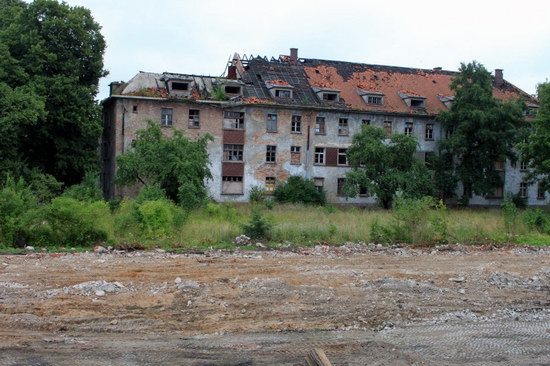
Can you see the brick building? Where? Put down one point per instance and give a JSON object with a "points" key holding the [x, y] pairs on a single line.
{"points": [[273, 118]]}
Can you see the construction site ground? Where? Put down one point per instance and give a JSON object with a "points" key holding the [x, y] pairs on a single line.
{"points": [[362, 304]]}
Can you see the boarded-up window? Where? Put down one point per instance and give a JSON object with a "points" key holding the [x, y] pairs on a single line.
{"points": [[232, 185], [331, 156], [319, 183], [295, 155]]}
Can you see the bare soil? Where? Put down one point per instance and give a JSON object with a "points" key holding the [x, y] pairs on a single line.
{"points": [[364, 305]]}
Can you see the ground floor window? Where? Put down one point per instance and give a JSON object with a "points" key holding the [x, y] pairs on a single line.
{"points": [[269, 185], [541, 193], [340, 191], [319, 183], [232, 185]]}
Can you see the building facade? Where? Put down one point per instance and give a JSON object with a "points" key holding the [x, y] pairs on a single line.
{"points": [[273, 118]]}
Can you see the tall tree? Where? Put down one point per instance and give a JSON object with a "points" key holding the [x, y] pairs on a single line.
{"points": [[51, 60], [537, 148], [481, 130], [385, 167]]}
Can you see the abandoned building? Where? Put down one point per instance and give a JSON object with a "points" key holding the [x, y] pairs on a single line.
{"points": [[273, 118]]}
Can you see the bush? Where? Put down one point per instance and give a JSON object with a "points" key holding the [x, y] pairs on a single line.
{"points": [[257, 194], [258, 227], [510, 214], [224, 211], [156, 218], [299, 190], [16, 199], [537, 219], [87, 190], [69, 222], [150, 193]]}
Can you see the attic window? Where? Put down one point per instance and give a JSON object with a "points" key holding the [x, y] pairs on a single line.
{"points": [[180, 86], [330, 96], [417, 103], [283, 93], [374, 99], [232, 89]]}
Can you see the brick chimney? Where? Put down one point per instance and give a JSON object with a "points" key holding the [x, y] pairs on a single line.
{"points": [[232, 72], [499, 77], [293, 55]]}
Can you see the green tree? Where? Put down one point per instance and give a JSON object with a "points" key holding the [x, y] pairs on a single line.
{"points": [[537, 149], [386, 167], [481, 130], [51, 60], [177, 165]]}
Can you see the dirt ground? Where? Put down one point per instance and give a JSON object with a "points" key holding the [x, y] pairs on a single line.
{"points": [[362, 304]]}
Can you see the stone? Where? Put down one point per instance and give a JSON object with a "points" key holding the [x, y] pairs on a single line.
{"points": [[457, 279], [177, 280], [100, 293], [462, 291], [114, 322], [260, 245], [98, 249], [29, 248]]}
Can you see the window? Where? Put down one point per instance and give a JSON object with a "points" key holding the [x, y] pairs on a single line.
{"points": [[387, 128], [135, 109], [319, 155], [232, 185], [498, 192], [271, 154], [319, 183], [234, 120], [373, 99], [232, 152], [194, 119], [365, 122], [330, 96], [320, 126], [417, 103], [271, 124], [281, 93], [269, 185], [499, 165], [522, 165], [449, 132], [523, 190], [232, 89], [429, 159], [341, 183], [343, 129], [180, 86], [541, 192], [408, 128], [429, 134], [363, 191], [295, 155], [296, 124], [342, 157], [166, 117]]}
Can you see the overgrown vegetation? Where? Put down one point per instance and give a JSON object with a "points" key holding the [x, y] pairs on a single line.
{"points": [[299, 190]]}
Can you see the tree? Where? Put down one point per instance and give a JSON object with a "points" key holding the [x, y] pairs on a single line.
{"points": [[537, 149], [51, 60], [481, 130], [177, 165], [386, 167]]}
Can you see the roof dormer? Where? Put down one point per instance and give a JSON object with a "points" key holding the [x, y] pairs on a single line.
{"points": [[371, 97], [327, 94], [447, 100], [280, 89], [413, 100], [180, 87]]}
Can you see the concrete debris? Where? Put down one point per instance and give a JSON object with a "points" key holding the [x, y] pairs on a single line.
{"points": [[186, 285], [242, 240], [99, 288], [29, 248]]}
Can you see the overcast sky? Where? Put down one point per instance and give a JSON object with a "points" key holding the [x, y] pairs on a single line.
{"points": [[199, 36]]}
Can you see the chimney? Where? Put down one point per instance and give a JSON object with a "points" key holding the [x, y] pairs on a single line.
{"points": [[294, 56], [499, 77], [232, 72], [438, 68]]}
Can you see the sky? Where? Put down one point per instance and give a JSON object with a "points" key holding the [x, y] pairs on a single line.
{"points": [[200, 36]]}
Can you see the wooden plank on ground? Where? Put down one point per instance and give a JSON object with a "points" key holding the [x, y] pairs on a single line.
{"points": [[317, 357]]}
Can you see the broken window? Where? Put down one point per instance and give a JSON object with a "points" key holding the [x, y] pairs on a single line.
{"points": [[180, 86], [499, 165], [523, 190], [541, 192], [417, 103], [363, 191], [449, 132], [374, 99], [319, 183], [320, 126], [271, 154], [296, 124], [388, 128], [194, 118], [429, 134], [282, 93], [232, 185], [233, 120], [229, 89], [523, 165], [365, 122], [232, 152], [135, 109], [295, 155], [341, 183], [269, 185], [330, 96], [271, 123], [342, 157], [408, 128], [319, 155], [343, 129], [166, 117]]}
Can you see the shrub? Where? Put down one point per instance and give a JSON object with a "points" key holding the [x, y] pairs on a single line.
{"points": [[156, 218], [224, 211], [87, 190], [258, 227], [257, 194], [537, 219], [298, 190], [510, 214], [152, 192], [15, 200]]}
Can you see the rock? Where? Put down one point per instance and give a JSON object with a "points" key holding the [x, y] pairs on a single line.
{"points": [[457, 279], [158, 250], [189, 303], [98, 249], [260, 245], [28, 248], [100, 293], [188, 285], [462, 291], [242, 240], [114, 322], [177, 280]]}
